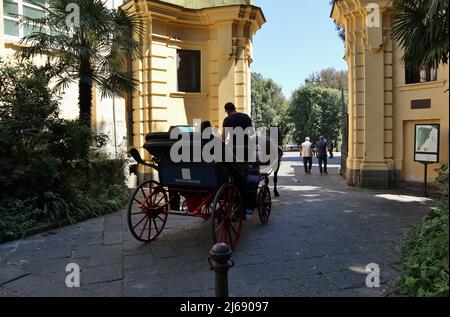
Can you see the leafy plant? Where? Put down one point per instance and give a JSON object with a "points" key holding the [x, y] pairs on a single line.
{"points": [[94, 53], [46, 174], [426, 250], [421, 29], [101, 139]]}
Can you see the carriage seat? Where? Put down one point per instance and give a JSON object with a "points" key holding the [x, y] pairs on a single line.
{"points": [[159, 144]]}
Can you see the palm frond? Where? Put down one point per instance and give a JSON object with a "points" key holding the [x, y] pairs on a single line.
{"points": [[421, 29]]}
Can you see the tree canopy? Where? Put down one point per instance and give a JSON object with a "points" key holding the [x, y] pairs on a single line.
{"points": [[329, 78], [269, 105], [95, 52], [316, 111], [421, 29]]}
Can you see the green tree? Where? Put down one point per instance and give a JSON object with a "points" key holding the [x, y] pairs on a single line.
{"points": [[94, 54], [332, 78], [305, 112], [269, 105], [330, 115], [316, 111], [421, 29], [329, 78]]}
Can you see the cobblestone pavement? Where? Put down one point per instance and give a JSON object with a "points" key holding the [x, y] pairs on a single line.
{"points": [[320, 238]]}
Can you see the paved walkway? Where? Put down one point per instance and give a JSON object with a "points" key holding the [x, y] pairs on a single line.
{"points": [[320, 238]]}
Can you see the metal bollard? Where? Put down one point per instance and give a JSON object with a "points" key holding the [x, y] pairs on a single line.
{"points": [[220, 262]]}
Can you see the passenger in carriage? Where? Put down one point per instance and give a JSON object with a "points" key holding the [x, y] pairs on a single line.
{"points": [[205, 125]]}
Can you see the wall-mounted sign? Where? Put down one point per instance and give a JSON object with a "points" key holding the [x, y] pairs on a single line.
{"points": [[421, 104], [426, 147]]}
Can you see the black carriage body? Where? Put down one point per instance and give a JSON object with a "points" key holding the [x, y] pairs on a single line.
{"points": [[200, 175], [192, 175]]}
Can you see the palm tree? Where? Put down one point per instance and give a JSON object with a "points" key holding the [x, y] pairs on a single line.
{"points": [[421, 29], [94, 54]]}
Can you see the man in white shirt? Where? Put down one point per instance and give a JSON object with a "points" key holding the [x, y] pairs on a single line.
{"points": [[307, 154]]}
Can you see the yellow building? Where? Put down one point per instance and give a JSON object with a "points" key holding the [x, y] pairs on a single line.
{"points": [[196, 58], [386, 100]]}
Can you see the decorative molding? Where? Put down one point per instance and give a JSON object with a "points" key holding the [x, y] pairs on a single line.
{"points": [[188, 95], [418, 86]]}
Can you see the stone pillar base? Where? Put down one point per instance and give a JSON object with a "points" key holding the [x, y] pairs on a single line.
{"points": [[373, 178]]}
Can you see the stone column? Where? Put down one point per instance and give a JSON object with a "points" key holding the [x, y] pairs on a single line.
{"points": [[374, 169], [140, 97], [226, 68], [370, 91]]}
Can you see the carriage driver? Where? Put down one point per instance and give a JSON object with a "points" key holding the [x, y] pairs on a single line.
{"points": [[233, 120]]}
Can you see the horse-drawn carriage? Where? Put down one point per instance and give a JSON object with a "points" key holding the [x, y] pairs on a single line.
{"points": [[218, 191]]}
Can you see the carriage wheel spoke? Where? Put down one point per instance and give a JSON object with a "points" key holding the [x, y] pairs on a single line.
{"points": [[152, 198], [234, 229], [220, 225], [140, 221], [230, 236], [149, 230], [224, 231], [221, 234], [147, 199], [138, 213], [145, 226], [162, 197], [143, 193], [156, 227]]}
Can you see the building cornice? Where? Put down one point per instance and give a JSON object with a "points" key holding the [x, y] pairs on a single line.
{"points": [[204, 17]]}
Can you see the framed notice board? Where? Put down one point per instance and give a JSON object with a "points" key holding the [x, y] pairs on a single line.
{"points": [[426, 143]]}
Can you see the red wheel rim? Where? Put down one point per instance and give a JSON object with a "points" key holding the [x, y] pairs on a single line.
{"points": [[264, 204], [228, 215], [147, 211]]}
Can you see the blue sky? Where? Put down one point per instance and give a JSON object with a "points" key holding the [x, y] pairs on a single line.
{"points": [[298, 39]]}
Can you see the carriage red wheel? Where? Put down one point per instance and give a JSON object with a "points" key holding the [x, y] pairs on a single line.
{"points": [[227, 215], [264, 203], [147, 211]]}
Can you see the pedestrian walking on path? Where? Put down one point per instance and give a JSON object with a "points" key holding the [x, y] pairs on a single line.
{"points": [[307, 154], [321, 148]]}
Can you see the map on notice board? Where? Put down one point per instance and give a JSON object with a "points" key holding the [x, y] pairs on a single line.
{"points": [[426, 147]]}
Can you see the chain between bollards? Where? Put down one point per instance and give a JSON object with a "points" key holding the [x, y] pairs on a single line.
{"points": [[220, 262]]}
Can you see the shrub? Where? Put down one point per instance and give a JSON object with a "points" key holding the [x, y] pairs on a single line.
{"points": [[69, 140], [426, 251], [46, 175], [16, 217], [101, 183]]}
